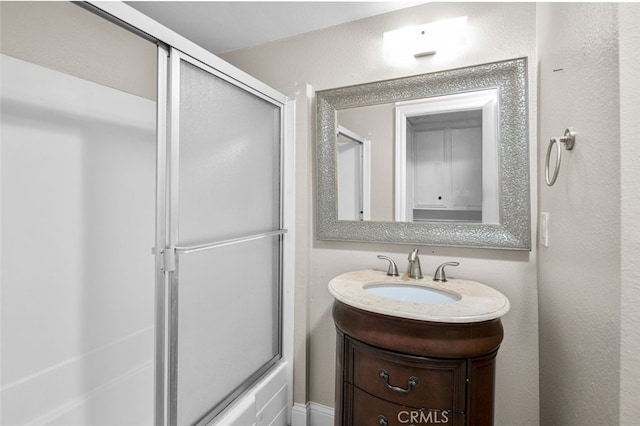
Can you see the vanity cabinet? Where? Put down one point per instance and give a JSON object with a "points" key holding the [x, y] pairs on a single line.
{"points": [[397, 371]]}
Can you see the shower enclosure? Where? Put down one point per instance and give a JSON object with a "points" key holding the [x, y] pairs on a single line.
{"points": [[77, 276], [223, 239], [146, 246]]}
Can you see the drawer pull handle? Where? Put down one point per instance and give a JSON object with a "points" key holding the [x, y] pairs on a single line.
{"points": [[382, 421], [413, 381]]}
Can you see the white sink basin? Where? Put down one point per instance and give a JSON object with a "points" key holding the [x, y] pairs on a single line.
{"points": [[454, 301], [411, 293]]}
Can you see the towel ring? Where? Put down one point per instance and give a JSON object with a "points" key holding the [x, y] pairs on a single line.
{"points": [[569, 140]]}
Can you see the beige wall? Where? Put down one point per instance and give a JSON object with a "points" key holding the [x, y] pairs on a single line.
{"points": [[629, 16], [579, 273], [64, 37], [376, 123], [588, 276], [351, 54]]}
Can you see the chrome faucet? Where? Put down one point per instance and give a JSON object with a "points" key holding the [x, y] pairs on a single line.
{"points": [[415, 270]]}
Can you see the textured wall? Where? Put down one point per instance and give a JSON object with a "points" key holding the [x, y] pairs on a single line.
{"points": [[629, 16], [579, 273], [351, 54], [64, 37]]}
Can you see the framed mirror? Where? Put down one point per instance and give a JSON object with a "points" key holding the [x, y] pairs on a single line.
{"points": [[435, 159]]}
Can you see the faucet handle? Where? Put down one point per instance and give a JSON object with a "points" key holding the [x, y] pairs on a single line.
{"points": [[393, 268], [440, 275]]}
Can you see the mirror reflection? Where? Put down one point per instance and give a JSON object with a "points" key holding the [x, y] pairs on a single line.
{"points": [[444, 167], [427, 160]]}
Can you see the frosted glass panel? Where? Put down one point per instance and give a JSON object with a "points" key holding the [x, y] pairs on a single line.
{"points": [[229, 160], [228, 321]]}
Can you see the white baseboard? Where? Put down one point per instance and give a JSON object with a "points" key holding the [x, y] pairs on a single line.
{"points": [[311, 414], [299, 415]]}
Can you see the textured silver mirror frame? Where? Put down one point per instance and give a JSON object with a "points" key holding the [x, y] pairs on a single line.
{"points": [[514, 230]]}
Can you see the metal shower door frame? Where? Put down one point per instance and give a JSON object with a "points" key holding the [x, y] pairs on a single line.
{"points": [[167, 277], [132, 20]]}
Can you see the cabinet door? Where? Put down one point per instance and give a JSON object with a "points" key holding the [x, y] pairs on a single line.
{"points": [[429, 170], [466, 170]]}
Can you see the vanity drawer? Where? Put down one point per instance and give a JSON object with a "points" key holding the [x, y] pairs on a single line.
{"points": [[369, 410], [407, 380]]}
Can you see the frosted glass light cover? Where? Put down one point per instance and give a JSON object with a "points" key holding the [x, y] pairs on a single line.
{"points": [[229, 178]]}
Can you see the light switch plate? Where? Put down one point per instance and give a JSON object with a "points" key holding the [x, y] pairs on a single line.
{"points": [[544, 229]]}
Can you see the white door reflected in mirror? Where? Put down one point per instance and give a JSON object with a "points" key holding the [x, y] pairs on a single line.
{"points": [[354, 178]]}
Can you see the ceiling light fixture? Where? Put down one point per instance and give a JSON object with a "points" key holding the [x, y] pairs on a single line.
{"points": [[406, 44]]}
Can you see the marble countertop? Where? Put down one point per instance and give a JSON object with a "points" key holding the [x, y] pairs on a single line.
{"points": [[477, 302]]}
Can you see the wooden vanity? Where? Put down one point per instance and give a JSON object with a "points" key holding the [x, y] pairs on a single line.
{"points": [[399, 371]]}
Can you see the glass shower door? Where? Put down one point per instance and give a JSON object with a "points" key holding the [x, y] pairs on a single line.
{"points": [[225, 237]]}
